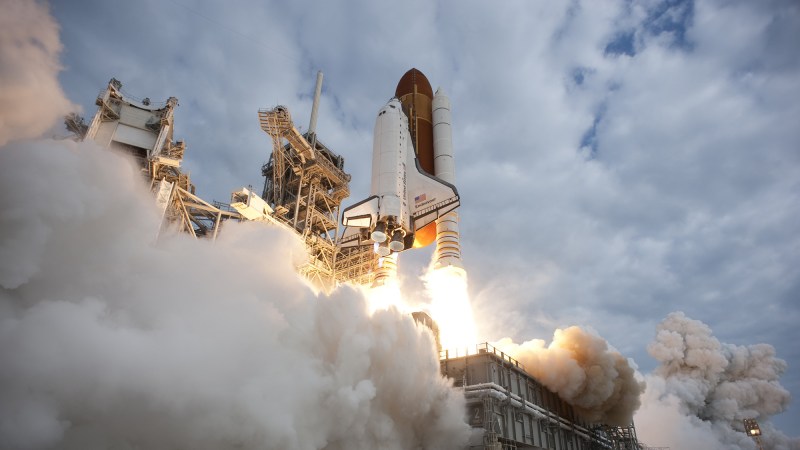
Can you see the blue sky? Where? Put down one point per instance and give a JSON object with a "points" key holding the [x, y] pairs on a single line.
{"points": [[617, 160]]}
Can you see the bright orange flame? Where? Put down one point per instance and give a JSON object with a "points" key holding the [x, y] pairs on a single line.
{"points": [[387, 293], [450, 308], [425, 235], [385, 296]]}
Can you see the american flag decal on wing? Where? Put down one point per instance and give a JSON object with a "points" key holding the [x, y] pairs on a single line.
{"points": [[419, 198]]}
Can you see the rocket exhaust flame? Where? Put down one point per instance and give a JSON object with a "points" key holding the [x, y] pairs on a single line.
{"points": [[450, 307], [385, 296]]}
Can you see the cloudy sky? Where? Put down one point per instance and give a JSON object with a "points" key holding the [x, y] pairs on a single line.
{"points": [[617, 160]]}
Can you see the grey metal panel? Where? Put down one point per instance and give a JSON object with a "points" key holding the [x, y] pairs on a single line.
{"points": [[104, 133], [136, 117], [519, 428], [135, 136]]}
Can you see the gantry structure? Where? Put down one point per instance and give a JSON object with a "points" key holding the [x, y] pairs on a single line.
{"points": [[304, 185], [305, 181], [144, 130]]}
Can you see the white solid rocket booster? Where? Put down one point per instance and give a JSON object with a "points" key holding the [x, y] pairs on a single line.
{"points": [[448, 249]]}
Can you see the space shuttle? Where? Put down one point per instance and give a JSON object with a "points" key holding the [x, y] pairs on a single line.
{"points": [[404, 198]]}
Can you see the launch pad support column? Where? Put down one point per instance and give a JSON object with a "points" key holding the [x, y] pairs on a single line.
{"points": [[448, 249]]}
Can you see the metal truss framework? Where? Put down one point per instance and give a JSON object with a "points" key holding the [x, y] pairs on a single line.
{"points": [[305, 184], [304, 187], [149, 128]]}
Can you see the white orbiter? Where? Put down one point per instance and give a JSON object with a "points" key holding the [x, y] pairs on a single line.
{"points": [[404, 198]]}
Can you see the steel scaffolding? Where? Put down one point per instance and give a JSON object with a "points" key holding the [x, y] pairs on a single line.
{"points": [[144, 130], [304, 185]]}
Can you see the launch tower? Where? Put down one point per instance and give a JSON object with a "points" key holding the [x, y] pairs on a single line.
{"points": [[304, 185], [144, 130]]}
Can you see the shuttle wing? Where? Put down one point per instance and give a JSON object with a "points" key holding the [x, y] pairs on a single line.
{"points": [[429, 197], [363, 214], [357, 220]]}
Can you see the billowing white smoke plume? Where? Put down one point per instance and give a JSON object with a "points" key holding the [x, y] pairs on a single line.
{"points": [[703, 389], [582, 370], [31, 99], [110, 340]]}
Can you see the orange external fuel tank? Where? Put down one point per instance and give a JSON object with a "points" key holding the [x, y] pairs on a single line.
{"points": [[416, 95]]}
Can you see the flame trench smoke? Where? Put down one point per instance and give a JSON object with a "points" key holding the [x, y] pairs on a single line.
{"points": [[450, 307], [108, 340], [703, 389], [579, 366]]}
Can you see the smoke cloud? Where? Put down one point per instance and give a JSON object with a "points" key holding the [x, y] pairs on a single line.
{"points": [[108, 339], [703, 389], [579, 366], [31, 99]]}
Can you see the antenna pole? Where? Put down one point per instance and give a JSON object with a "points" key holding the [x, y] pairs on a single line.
{"points": [[312, 125]]}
